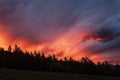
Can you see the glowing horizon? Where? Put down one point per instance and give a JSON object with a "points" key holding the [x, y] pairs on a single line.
{"points": [[71, 28], [62, 47]]}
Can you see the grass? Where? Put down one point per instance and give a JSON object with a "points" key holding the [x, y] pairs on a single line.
{"points": [[8, 74]]}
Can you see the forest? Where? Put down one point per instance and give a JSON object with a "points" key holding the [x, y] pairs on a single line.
{"points": [[16, 58]]}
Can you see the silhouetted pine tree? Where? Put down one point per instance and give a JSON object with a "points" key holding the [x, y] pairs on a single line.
{"points": [[17, 59]]}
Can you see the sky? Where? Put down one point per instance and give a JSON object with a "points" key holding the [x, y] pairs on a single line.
{"points": [[67, 28]]}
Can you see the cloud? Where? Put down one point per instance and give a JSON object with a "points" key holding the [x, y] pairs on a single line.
{"points": [[40, 21], [109, 34]]}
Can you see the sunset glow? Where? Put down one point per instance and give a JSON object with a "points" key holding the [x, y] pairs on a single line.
{"points": [[65, 28], [64, 46]]}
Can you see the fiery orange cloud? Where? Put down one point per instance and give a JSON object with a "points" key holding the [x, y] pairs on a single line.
{"points": [[64, 46], [3, 38]]}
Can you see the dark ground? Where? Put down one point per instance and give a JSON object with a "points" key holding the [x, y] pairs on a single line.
{"points": [[8, 74]]}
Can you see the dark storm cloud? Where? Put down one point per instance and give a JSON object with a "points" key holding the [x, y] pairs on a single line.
{"points": [[33, 19], [45, 20], [110, 31]]}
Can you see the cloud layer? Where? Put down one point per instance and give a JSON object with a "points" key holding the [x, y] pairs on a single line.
{"points": [[65, 23]]}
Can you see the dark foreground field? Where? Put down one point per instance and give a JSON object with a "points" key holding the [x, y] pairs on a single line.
{"points": [[7, 74]]}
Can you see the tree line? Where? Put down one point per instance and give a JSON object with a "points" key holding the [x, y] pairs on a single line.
{"points": [[18, 59]]}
